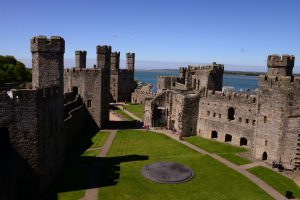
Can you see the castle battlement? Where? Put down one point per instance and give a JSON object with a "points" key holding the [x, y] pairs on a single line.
{"points": [[82, 70], [103, 49], [130, 55], [275, 60], [79, 52], [232, 96], [213, 66], [44, 44], [279, 81], [115, 54]]}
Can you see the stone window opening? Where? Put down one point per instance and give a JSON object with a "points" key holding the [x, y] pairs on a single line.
{"points": [[240, 119], [247, 121], [173, 84], [253, 122], [208, 113], [214, 134], [265, 119], [89, 103], [266, 142], [231, 114], [220, 115], [265, 156], [254, 100], [243, 141], [228, 138], [214, 115]]}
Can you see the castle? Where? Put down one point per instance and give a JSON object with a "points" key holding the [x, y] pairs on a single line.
{"points": [[38, 125], [266, 121]]}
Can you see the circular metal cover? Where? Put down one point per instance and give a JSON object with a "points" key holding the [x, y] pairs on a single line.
{"points": [[167, 172]]}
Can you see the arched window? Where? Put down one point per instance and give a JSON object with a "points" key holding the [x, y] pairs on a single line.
{"points": [[243, 141], [228, 138], [231, 113], [214, 134], [265, 156]]}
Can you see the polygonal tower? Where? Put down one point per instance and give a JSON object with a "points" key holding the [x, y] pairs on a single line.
{"points": [[80, 59], [130, 57], [103, 56], [47, 61], [115, 61], [280, 65]]}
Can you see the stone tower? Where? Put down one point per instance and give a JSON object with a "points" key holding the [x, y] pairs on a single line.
{"points": [[130, 57], [278, 113], [47, 61], [103, 56], [80, 59], [115, 61], [280, 65]]}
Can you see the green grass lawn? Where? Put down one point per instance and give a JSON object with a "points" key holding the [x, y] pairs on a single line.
{"points": [[132, 149], [123, 114], [226, 151], [275, 180], [99, 139], [137, 109], [75, 175]]}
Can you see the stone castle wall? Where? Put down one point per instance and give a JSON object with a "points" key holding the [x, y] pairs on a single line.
{"points": [[213, 116]]}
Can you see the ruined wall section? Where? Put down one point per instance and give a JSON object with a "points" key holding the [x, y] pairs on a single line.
{"points": [[165, 83], [213, 116], [278, 126], [88, 83]]}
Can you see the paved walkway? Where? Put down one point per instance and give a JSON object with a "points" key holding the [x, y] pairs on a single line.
{"points": [[241, 169], [92, 194], [130, 114]]}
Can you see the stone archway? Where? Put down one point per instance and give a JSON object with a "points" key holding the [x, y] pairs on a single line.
{"points": [[231, 113], [228, 138], [243, 141], [214, 134], [265, 156]]}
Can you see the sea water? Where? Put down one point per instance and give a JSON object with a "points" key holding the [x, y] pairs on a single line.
{"points": [[240, 83]]}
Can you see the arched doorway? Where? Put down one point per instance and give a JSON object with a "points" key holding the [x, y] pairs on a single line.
{"points": [[231, 113], [265, 156], [75, 90], [243, 141], [228, 138], [214, 134]]}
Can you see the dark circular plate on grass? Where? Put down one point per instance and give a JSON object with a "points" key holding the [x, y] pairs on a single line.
{"points": [[167, 172]]}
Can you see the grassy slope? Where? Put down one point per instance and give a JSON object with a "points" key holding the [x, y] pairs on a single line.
{"points": [[226, 151], [212, 179], [277, 181], [137, 109]]}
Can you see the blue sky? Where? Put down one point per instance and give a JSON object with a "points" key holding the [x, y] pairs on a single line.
{"points": [[231, 32]]}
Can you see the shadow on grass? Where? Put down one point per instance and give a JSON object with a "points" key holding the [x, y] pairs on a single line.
{"points": [[89, 172], [125, 125]]}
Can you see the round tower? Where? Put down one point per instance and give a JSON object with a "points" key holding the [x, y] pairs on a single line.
{"points": [[280, 65]]}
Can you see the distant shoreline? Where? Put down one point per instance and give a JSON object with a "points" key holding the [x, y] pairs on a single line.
{"points": [[237, 73]]}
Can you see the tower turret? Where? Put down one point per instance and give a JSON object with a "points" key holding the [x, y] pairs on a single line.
{"points": [[80, 59], [280, 65], [130, 57], [103, 56], [47, 61], [115, 61]]}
